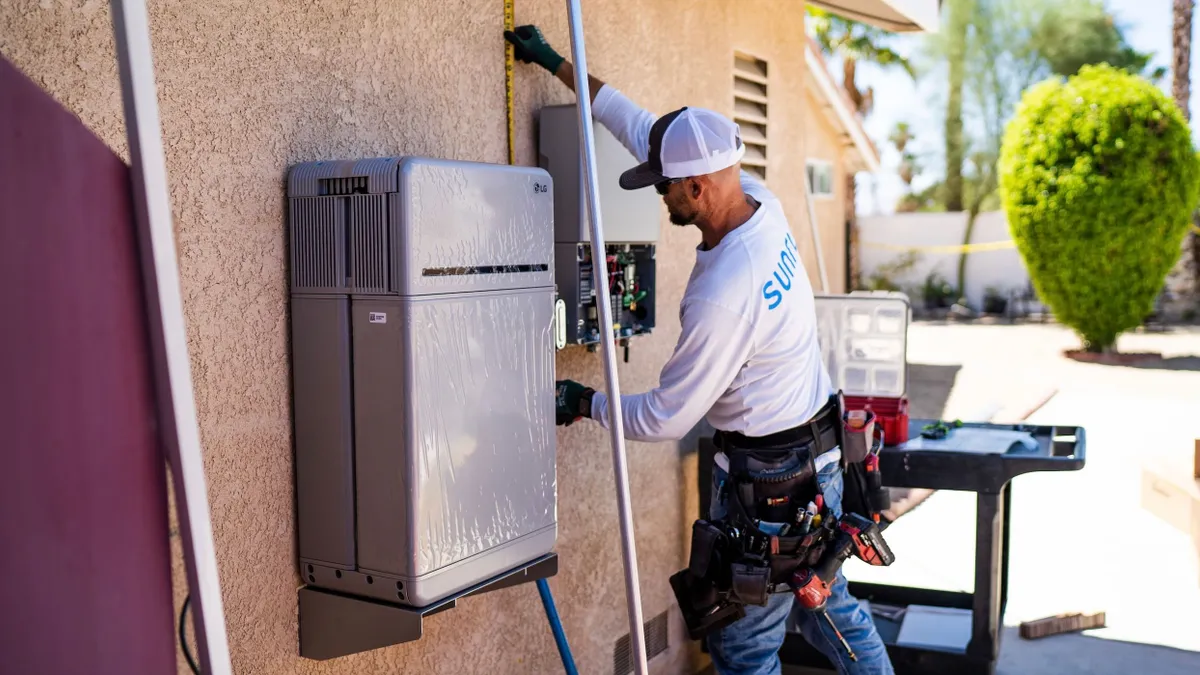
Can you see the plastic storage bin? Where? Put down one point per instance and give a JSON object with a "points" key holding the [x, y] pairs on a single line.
{"points": [[864, 344]]}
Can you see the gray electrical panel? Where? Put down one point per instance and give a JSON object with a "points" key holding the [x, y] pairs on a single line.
{"points": [[631, 221], [422, 312]]}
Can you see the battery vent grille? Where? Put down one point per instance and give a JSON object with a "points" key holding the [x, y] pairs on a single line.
{"points": [[343, 186], [318, 244], [655, 632], [369, 243]]}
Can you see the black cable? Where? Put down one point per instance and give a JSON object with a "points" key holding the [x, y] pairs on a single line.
{"points": [[187, 654]]}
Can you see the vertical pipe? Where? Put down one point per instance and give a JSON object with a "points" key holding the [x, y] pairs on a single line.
{"points": [[816, 236], [560, 638], [177, 425], [616, 425]]}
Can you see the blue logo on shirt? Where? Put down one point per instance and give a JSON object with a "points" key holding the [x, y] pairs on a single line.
{"points": [[784, 273]]}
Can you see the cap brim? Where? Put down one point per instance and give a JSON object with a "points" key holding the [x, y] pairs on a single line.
{"points": [[640, 176]]}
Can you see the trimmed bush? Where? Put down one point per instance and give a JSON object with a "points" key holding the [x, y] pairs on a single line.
{"points": [[1098, 179]]}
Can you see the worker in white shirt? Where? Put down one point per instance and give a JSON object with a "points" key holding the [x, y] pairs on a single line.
{"points": [[747, 357]]}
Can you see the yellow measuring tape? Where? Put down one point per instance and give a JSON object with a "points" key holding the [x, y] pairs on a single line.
{"points": [[959, 248], [509, 24]]}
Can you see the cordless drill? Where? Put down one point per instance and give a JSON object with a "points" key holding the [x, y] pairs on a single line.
{"points": [[855, 536]]}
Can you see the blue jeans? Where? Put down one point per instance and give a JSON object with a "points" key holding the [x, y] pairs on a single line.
{"points": [[751, 645]]}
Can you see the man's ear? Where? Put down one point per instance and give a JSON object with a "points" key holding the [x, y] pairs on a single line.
{"points": [[697, 187]]}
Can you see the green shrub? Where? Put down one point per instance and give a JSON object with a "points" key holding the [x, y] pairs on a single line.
{"points": [[1098, 179]]}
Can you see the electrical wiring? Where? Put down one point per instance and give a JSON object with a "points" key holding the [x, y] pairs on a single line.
{"points": [[187, 654]]}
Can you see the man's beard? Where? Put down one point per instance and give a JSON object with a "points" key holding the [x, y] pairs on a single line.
{"points": [[681, 217]]}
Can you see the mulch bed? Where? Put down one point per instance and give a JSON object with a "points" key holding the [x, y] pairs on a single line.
{"points": [[1112, 358]]}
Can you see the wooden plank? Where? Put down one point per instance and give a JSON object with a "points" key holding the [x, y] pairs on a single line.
{"points": [[1063, 623]]}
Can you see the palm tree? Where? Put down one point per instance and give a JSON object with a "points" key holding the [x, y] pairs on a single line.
{"points": [[853, 43], [1181, 49]]}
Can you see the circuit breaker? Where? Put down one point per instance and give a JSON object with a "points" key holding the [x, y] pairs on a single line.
{"points": [[631, 221], [422, 312]]}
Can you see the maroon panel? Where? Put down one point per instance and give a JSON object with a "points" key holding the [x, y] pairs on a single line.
{"points": [[85, 569]]}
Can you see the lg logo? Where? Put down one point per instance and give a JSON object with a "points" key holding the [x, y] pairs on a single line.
{"points": [[539, 187]]}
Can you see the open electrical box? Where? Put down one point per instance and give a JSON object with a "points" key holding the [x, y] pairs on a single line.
{"points": [[631, 226]]}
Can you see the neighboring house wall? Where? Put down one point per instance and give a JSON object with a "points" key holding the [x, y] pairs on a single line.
{"points": [[247, 89], [823, 144], [882, 236]]}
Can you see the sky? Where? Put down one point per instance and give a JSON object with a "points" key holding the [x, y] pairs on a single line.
{"points": [[1147, 26]]}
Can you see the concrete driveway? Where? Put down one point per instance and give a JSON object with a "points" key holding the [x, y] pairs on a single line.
{"points": [[1080, 542]]}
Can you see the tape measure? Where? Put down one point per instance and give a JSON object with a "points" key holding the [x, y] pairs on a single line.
{"points": [[509, 24]]}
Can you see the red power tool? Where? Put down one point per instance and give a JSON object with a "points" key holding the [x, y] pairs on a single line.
{"points": [[855, 536]]}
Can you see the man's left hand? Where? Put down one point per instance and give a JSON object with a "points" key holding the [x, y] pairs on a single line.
{"points": [[571, 401]]}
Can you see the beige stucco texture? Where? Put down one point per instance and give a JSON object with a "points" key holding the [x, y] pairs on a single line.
{"points": [[823, 142], [248, 89]]}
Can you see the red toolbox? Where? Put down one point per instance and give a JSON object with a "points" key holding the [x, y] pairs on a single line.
{"points": [[891, 414]]}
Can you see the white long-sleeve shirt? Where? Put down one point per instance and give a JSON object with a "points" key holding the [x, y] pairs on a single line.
{"points": [[748, 355]]}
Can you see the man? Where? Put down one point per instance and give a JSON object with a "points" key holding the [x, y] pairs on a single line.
{"points": [[747, 356]]}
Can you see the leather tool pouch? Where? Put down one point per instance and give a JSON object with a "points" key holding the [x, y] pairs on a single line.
{"points": [[749, 581], [706, 540], [770, 485], [863, 491]]}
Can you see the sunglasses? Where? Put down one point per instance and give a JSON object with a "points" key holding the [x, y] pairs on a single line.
{"points": [[661, 188]]}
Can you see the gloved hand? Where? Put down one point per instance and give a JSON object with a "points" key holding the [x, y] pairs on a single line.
{"points": [[571, 401], [530, 47]]}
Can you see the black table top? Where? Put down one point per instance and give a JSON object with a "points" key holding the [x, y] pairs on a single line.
{"points": [[979, 456]]}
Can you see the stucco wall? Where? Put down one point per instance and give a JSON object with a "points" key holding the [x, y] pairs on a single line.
{"points": [[823, 142], [249, 88]]}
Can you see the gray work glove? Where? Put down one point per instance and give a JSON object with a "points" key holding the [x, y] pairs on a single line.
{"points": [[530, 47]]}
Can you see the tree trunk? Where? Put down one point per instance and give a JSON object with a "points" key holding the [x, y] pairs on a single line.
{"points": [[851, 220], [1186, 274], [1181, 50], [957, 34], [849, 68], [962, 256]]}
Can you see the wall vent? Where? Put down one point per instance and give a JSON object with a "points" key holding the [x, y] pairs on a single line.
{"points": [[343, 186], [655, 632], [750, 110]]}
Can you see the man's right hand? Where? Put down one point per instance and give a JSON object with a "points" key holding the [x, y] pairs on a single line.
{"points": [[530, 47]]}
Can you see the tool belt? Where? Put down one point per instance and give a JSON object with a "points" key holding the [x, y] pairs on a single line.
{"points": [[770, 527]]}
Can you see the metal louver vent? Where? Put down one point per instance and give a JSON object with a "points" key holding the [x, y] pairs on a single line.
{"points": [[655, 632], [368, 244], [750, 110], [343, 186], [318, 244]]}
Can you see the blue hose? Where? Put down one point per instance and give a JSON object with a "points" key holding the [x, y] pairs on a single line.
{"points": [[560, 638]]}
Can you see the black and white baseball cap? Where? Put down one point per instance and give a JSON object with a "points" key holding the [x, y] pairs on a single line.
{"points": [[684, 143]]}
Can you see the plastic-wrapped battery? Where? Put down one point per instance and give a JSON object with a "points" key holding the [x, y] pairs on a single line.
{"points": [[423, 372]]}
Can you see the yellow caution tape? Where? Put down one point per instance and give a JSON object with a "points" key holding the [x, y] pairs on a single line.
{"points": [[509, 23], [953, 248], [959, 248]]}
